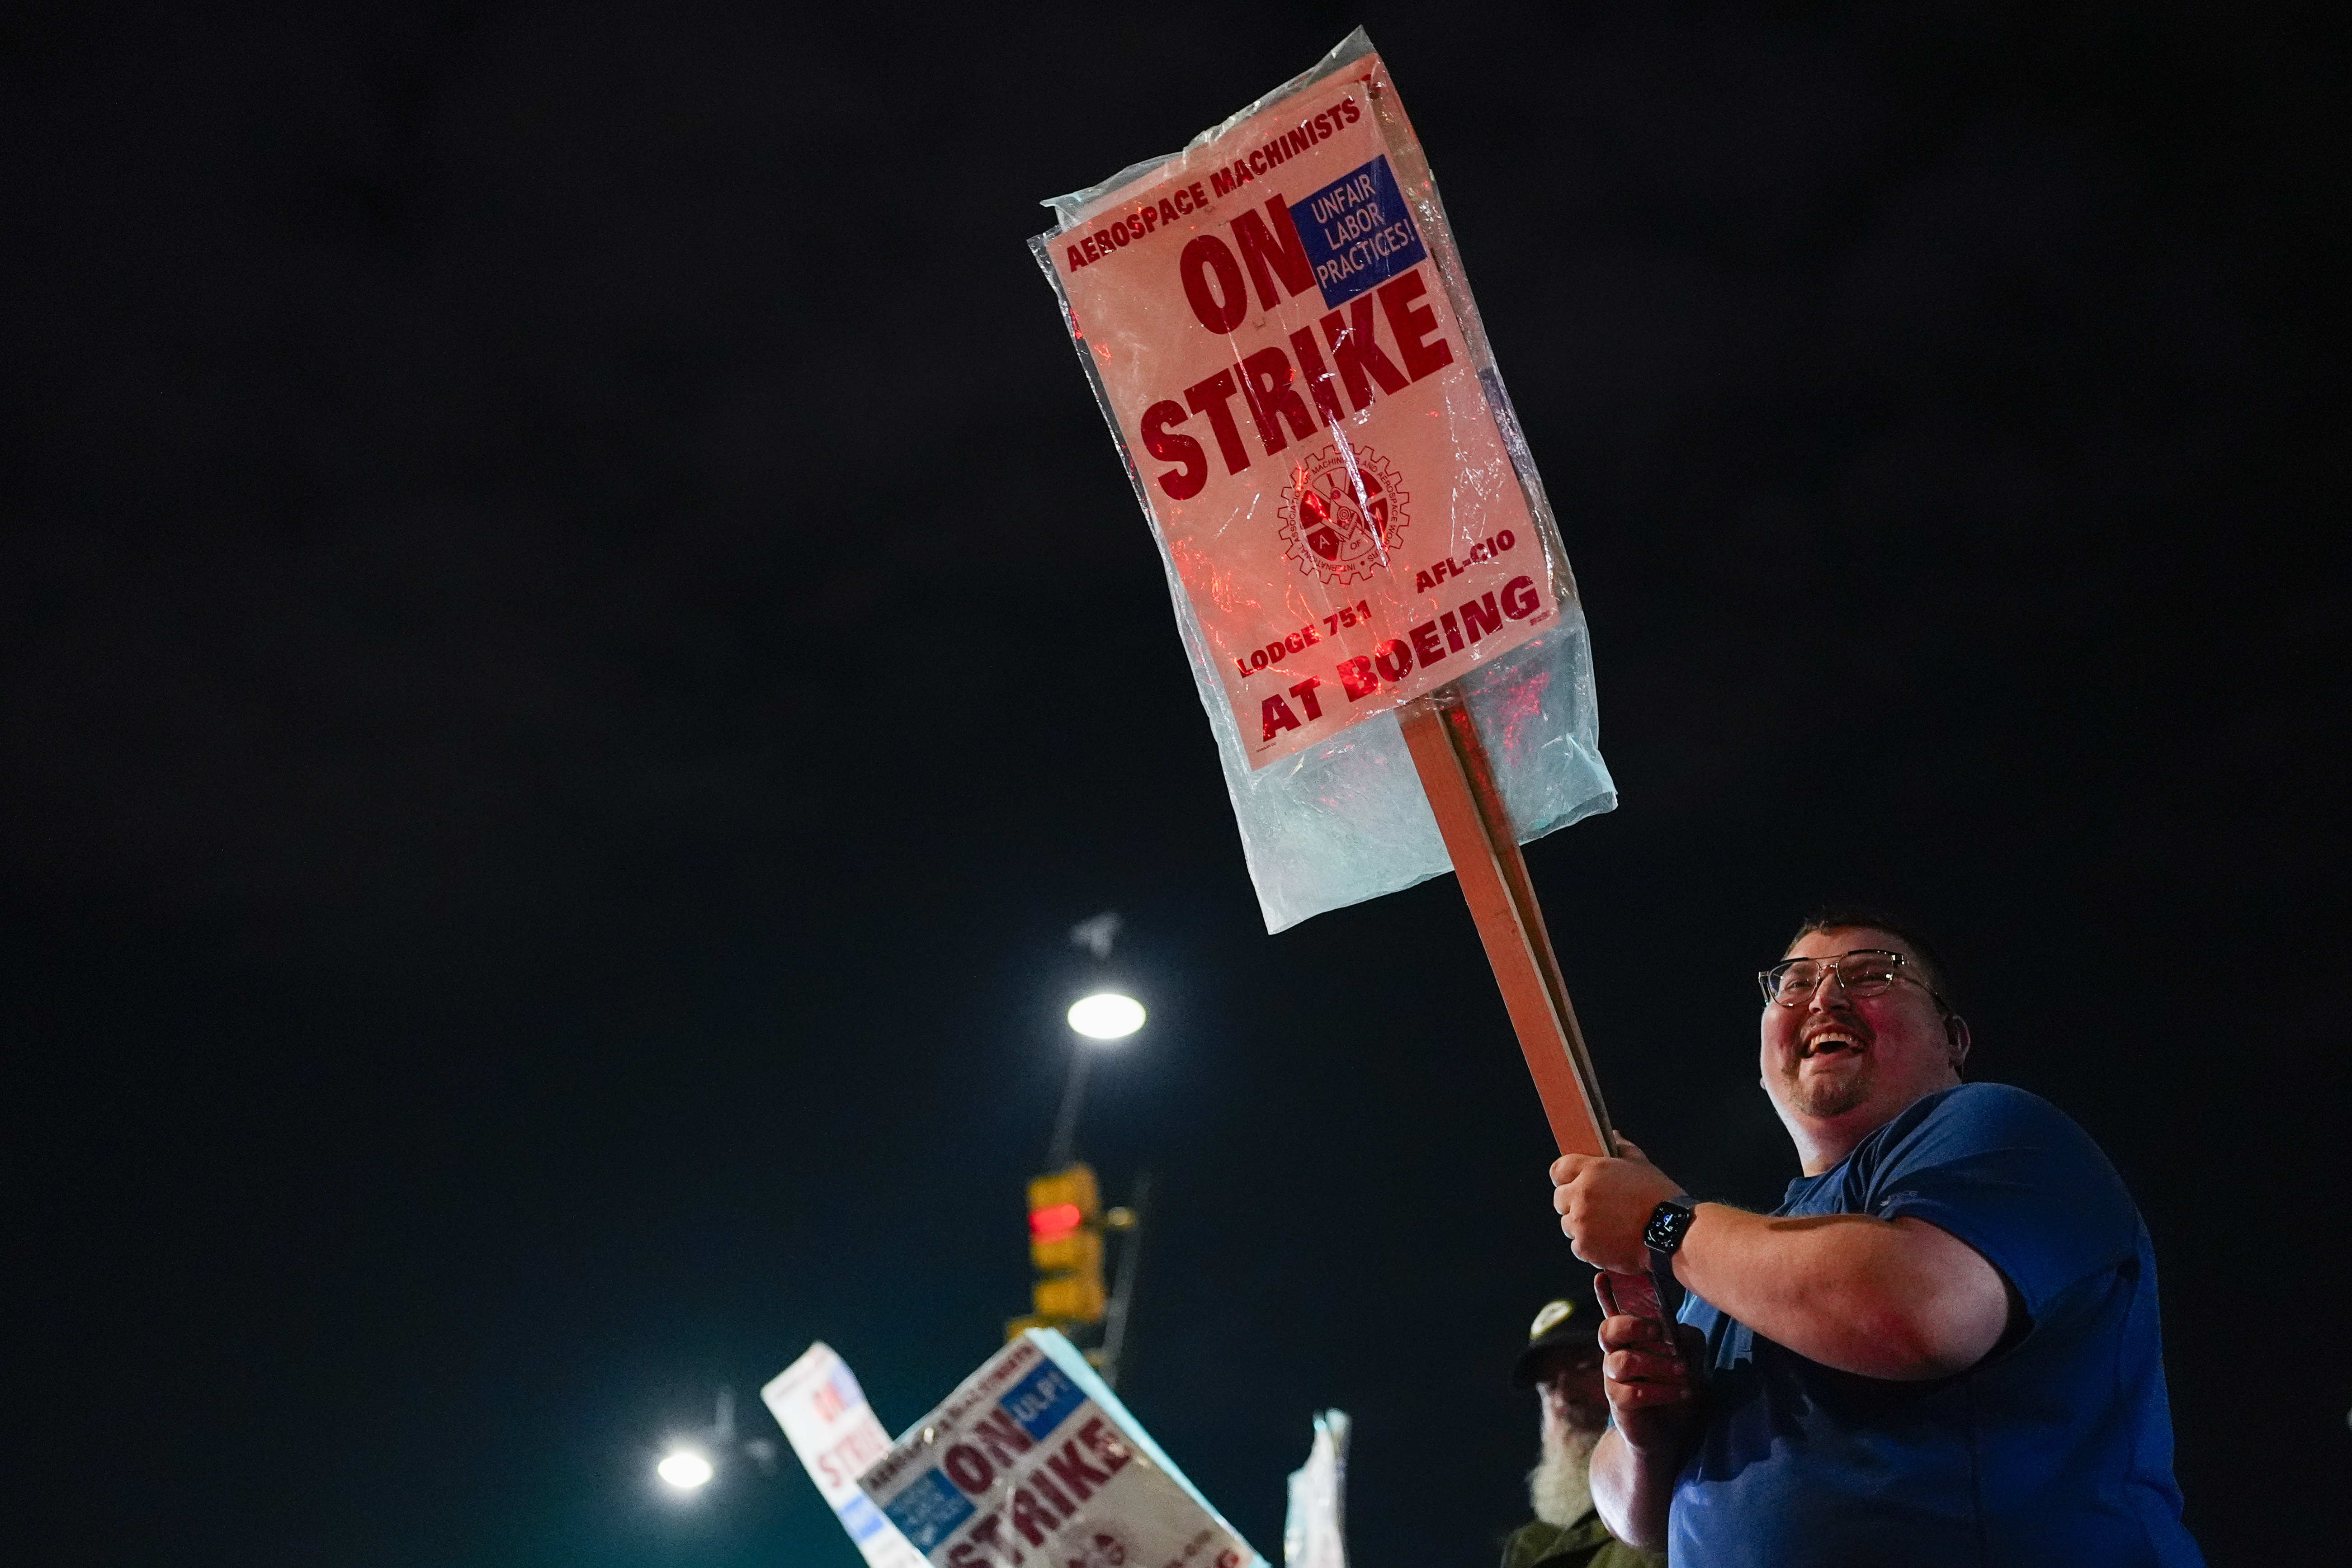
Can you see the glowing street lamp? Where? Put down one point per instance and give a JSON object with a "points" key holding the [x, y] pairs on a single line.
{"points": [[1098, 1018], [685, 1469], [1106, 1015]]}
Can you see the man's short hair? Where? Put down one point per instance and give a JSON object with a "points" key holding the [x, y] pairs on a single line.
{"points": [[1838, 916]]}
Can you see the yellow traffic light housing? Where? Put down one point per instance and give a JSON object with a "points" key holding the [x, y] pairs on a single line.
{"points": [[1065, 1245]]}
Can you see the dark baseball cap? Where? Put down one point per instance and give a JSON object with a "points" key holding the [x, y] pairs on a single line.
{"points": [[1568, 1323]]}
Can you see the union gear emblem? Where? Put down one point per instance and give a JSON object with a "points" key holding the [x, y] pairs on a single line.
{"points": [[1341, 514]]}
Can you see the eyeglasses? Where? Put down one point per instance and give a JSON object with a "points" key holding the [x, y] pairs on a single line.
{"points": [[1864, 972]]}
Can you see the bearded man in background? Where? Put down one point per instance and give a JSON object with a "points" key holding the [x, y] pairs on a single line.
{"points": [[1562, 1363]]}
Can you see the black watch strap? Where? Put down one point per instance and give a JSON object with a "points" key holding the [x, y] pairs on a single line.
{"points": [[1669, 1222]]}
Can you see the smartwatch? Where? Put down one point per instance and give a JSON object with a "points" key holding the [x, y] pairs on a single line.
{"points": [[1669, 1223]]}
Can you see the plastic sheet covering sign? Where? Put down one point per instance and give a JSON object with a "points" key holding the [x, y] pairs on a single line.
{"points": [[824, 1415], [1032, 1460], [1278, 331], [1314, 1532]]}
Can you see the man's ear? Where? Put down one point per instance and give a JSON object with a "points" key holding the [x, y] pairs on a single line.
{"points": [[1956, 1033]]}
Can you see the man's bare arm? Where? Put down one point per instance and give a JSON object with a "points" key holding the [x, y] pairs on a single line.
{"points": [[1891, 1299], [1654, 1405]]}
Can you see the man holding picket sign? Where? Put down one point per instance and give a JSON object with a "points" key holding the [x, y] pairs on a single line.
{"points": [[1942, 1348]]}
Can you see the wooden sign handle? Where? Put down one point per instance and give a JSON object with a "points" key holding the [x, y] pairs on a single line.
{"points": [[1460, 783]]}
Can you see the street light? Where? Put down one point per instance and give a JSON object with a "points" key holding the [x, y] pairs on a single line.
{"points": [[1099, 1016], [1099, 1020], [1106, 1015], [684, 1470], [693, 1459]]}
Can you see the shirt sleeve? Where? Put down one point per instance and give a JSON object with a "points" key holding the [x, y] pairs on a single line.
{"points": [[2012, 1175]]}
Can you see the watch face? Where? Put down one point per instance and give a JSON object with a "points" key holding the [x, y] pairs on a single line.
{"points": [[1664, 1231]]}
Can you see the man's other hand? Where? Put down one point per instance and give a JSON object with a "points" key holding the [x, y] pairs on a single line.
{"points": [[1652, 1395], [1605, 1204]]}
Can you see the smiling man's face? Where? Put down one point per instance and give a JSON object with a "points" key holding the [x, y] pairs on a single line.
{"points": [[1837, 1067]]}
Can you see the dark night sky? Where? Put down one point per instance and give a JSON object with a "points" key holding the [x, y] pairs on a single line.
{"points": [[573, 640]]}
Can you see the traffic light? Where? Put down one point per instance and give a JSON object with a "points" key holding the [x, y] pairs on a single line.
{"points": [[1066, 1245]]}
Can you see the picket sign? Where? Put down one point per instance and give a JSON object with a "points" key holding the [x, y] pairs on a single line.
{"points": [[823, 1413], [1277, 328], [1033, 1460]]}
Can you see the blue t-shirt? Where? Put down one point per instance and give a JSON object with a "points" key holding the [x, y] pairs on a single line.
{"points": [[2054, 1449]]}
